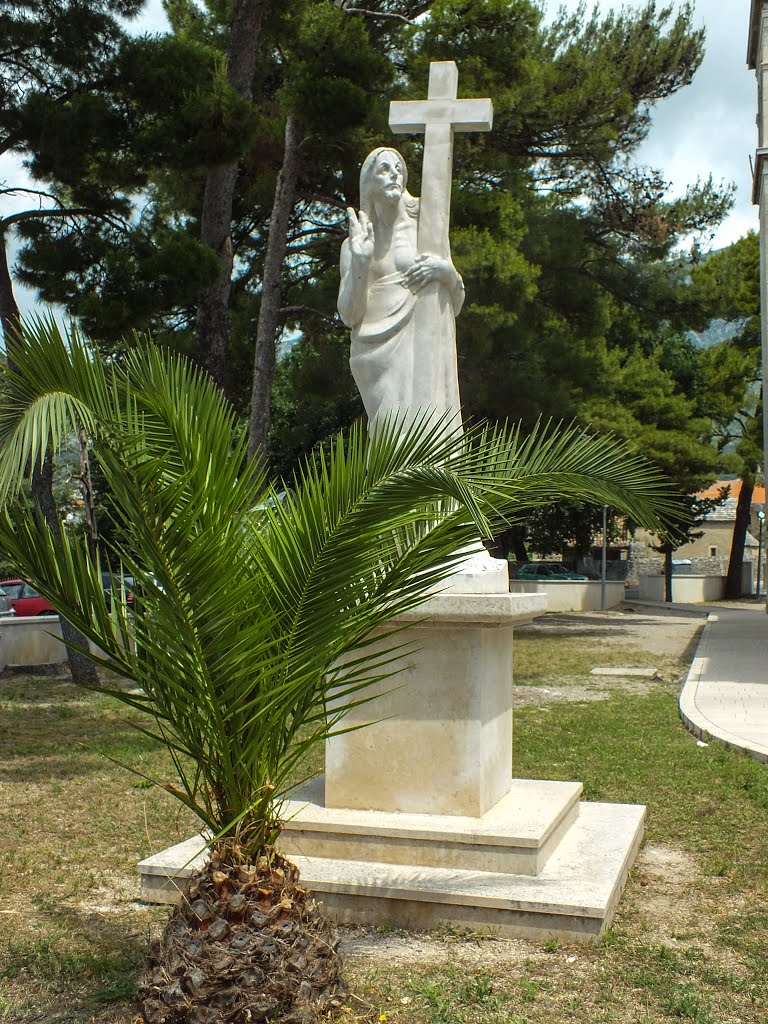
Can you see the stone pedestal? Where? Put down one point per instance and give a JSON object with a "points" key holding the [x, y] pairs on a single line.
{"points": [[440, 738], [418, 821]]}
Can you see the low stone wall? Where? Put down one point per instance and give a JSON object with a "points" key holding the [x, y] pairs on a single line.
{"points": [[572, 595], [685, 589], [653, 565], [31, 640]]}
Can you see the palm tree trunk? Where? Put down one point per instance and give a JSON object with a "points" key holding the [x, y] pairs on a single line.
{"points": [[218, 199], [269, 312]]}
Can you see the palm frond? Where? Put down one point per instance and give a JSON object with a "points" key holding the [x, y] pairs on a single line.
{"points": [[250, 613]]}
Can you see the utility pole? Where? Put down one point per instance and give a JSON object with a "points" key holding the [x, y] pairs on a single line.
{"points": [[757, 60]]}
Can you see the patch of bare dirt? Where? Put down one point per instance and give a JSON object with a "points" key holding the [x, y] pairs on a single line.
{"points": [[414, 949], [540, 696], [672, 909], [669, 908], [665, 634]]}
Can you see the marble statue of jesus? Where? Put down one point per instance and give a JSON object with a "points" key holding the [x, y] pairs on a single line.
{"points": [[400, 292]]}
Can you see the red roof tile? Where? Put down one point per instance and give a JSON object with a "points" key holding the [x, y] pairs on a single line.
{"points": [[758, 495]]}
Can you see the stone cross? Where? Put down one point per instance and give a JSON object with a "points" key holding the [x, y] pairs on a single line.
{"points": [[438, 117]]}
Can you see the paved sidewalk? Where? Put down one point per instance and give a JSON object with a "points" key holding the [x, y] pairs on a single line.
{"points": [[725, 696]]}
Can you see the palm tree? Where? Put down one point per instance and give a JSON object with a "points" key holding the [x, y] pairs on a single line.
{"points": [[246, 605]]}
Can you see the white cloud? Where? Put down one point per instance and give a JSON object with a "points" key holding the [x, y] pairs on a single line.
{"points": [[708, 127]]}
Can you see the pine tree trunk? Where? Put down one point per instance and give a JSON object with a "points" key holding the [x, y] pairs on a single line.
{"points": [[218, 199], [668, 576], [9, 310], [269, 312], [740, 527], [83, 669], [213, 302], [518, 544]]}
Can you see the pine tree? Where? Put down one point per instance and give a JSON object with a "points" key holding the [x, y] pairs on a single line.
{"points": [[555, 230], [729, 283]]}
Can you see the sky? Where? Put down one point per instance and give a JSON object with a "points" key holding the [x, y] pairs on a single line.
{"points": [[706, 128]]}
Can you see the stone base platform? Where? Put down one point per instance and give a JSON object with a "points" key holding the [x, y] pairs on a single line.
{"points": [[537, 865], [516, 836]]}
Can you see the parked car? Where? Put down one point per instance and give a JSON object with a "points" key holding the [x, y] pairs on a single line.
{"points": [[124, 584], [547, 571], [25, 600]]}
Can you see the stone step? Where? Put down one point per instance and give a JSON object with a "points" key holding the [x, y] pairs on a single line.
{"points": [[163, 876], [572, 899], [517, 836]]}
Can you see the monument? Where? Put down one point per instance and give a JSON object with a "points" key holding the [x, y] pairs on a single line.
{"points": [[400, 292], [418, 819]]}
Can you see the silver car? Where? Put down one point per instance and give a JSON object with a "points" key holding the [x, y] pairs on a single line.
{"points": [[6, 608]]}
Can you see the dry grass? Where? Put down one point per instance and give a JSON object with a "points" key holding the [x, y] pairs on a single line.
{"points": [[72, 826]]}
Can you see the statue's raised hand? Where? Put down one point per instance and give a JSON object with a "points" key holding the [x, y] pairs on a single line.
{"points": [[360, 235]]}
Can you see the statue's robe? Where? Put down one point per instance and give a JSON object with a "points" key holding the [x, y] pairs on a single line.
{"points": [[403, 354]]}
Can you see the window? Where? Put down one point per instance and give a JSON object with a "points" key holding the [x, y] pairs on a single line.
{"points": [[713, 552]]}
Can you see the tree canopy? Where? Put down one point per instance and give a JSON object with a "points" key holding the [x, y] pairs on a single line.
{"points": [[562, 238]]}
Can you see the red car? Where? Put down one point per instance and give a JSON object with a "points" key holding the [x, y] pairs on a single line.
{"points": [[25, 600]]}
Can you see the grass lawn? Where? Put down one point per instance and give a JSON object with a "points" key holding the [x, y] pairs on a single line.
{"points": [[688, 944]]}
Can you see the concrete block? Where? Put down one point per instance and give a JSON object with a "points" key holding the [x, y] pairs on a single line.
{"points": [[518, 834], [572, 899], [438, 736]]}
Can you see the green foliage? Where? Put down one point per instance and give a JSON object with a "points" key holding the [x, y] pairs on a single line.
{"points": [[642, 401], [246, 609], [554, 229], [566, 526], [576, 307], [70, 73], [314, 396], [729, 281]]}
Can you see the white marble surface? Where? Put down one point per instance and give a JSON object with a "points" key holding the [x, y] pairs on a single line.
{"points": [[572, 898], [582, 878], [479, 574], [466, 609], [400, 292], [525, 816]]}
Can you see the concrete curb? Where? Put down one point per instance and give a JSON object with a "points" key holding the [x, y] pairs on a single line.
{"points": [[695, 720]]}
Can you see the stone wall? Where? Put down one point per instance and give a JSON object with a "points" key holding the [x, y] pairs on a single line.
{"points": [[648, 565], [572, 595], [685, 589]]}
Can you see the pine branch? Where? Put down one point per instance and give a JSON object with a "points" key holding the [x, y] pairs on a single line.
{"points": [[376, 14], [286, 311], [61, 213]]}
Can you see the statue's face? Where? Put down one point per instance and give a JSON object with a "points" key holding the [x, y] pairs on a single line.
{"points": [[388, 178]]}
